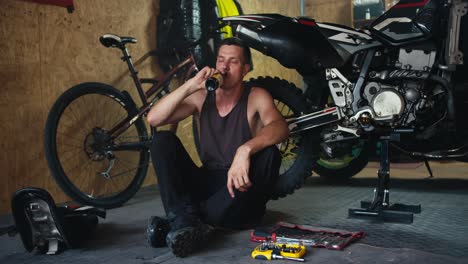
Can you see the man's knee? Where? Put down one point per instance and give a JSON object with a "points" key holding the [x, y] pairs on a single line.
{"points": [[264, 169], [164, 140], [269, 156], [274, 152]]}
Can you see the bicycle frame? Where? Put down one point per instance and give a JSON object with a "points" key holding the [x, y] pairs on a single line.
{"points": [[157, 88]]}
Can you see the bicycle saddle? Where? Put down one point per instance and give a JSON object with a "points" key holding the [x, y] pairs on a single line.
{"points": [[114, 41]]}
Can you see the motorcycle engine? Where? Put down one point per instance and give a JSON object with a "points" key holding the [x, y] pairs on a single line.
{"points": [[401, 102], [398, 94], [403, 99], [384, 100]]}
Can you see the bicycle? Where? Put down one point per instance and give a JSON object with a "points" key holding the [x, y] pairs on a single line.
{"points": [[93, 128]]}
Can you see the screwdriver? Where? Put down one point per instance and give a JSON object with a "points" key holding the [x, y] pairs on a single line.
{"points": [[274, 256]]}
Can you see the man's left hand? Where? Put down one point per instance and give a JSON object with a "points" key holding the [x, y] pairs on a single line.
{"points": [[238, 174]]}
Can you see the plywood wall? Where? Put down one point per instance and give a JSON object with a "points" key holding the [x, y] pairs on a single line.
{"points": [[44, 50], [333, 11]]}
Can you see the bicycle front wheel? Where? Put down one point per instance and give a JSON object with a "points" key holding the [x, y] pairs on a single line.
{"points": [[88, 164]]}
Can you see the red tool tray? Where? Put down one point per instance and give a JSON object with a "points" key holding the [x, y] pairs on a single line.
{"points": [[306, 235]]}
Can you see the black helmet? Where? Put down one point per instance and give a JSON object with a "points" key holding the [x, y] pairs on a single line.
{"points": [[36, 219]]}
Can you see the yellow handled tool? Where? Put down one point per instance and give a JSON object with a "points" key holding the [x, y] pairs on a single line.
{"points": [[270, 251]]}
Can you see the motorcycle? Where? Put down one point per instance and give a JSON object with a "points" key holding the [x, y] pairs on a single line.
{"points": [[398, 82]]}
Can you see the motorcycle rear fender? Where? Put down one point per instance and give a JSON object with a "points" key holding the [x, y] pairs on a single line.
{"points": [[297, 44]]}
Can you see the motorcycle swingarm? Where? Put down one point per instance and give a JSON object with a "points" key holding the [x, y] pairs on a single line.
{"points": [[312, 120]]}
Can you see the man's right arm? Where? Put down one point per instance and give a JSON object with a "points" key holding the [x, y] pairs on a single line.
{"points": [[180, 103]]}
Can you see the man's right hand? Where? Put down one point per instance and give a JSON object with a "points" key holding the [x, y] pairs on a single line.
{"points": [[198, 81], [182, 102], [238, 174]]}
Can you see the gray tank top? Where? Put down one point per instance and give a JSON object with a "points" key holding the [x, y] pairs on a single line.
{"points": [[221, 136]]}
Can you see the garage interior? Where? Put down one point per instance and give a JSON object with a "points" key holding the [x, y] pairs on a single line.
{"points": [[46, 49]]}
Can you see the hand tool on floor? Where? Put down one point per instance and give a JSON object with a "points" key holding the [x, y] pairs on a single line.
{"points": [[292, 234], [270, 251], [261, 235]]}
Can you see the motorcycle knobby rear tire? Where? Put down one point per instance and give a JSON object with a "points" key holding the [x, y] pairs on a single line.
{"points": [[298, 152]]}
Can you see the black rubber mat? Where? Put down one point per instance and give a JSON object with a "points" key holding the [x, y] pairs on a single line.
{"points": [[437, 236], [440, 228]]}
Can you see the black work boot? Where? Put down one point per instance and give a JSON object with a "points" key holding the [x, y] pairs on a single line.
{"points": [[156, 231], [187, 234]]}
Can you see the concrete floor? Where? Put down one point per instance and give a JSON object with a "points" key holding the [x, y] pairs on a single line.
{"points": [[438, 234]]}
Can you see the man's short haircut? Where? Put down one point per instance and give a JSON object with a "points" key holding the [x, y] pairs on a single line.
{"points": [[240, 43]]}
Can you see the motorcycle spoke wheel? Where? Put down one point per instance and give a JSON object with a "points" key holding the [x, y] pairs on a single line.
{"points": [[288, 148], [297, 151], [343, 167], [340, 162]]}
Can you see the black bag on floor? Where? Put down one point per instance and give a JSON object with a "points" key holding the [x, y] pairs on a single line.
{"points": [[48, 228]]}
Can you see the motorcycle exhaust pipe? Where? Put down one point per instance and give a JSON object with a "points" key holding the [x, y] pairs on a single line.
{"points": [[439, 154]]}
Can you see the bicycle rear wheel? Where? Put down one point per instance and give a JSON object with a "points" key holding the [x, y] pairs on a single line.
{"points": [[87, 164]]}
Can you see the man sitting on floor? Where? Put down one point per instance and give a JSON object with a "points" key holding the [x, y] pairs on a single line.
{"points": [[239, 127]]}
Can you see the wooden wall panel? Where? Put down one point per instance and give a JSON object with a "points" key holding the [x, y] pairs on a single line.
{"points": [[44, 51], [334, 11]]}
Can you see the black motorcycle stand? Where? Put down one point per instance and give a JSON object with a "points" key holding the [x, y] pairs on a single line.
{"points": [[380, 208]]}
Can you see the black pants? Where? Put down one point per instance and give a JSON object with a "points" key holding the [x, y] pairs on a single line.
{"points": [[187, 187]]}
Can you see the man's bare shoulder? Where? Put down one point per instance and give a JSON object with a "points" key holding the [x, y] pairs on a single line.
{"points": [[259, 94]]}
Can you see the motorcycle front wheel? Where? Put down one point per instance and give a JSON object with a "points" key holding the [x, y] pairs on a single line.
{"points": [[87, 164], [344, 167]]}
